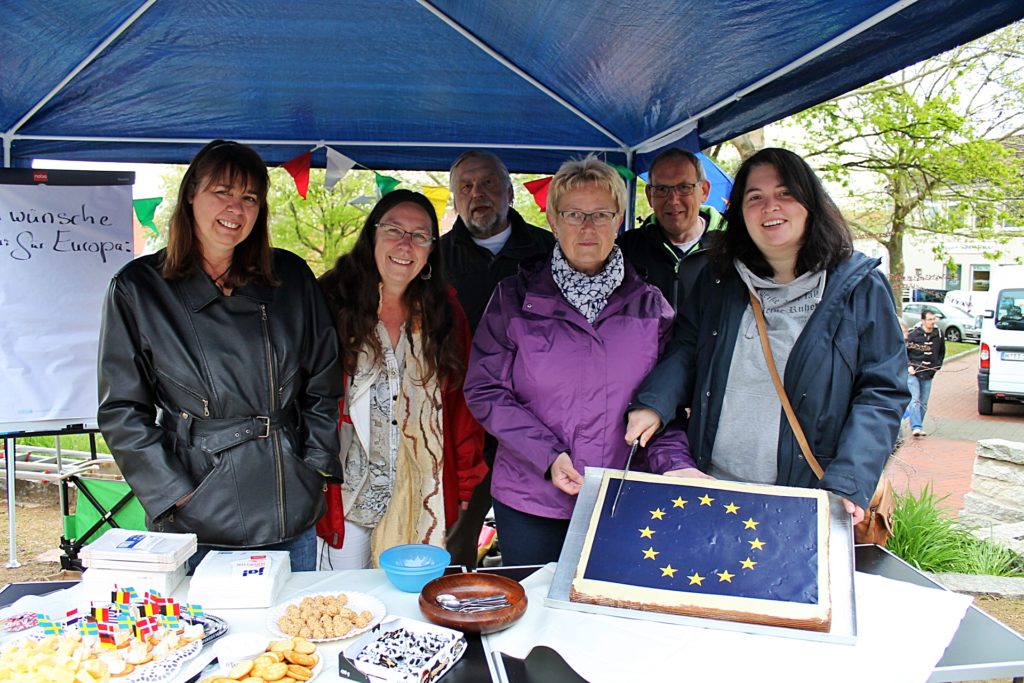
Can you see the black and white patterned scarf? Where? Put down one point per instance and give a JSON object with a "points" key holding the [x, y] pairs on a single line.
{"points": [[588, 294]]}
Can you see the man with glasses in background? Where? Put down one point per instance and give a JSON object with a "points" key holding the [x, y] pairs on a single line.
{"points": [[671, 245], [486, 245]]}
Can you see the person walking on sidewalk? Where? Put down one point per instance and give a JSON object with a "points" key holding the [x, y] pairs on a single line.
{"points": [[926, 350]]}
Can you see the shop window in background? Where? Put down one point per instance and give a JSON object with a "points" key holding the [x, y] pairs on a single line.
{"points": [[980, 278], [953, 275]]}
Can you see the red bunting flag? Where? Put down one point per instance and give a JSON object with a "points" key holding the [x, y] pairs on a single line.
{"points": [[539, 189], [298, 168]]}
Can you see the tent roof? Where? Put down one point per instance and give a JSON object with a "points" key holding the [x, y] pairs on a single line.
{"points": [[409, 84]]}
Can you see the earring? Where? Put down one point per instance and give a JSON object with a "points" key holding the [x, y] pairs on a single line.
{"points": [[428, 273]]}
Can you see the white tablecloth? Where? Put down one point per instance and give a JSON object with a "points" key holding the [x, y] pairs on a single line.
{"points": [[902, 632]]}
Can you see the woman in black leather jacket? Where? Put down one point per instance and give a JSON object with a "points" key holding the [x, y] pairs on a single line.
{"points": [[218, 371]]}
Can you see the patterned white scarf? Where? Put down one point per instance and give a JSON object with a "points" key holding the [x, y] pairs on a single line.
{"points": [[587, 294]]}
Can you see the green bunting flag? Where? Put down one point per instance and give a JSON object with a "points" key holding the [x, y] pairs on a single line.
{"points": [[145, 209], [385, 183], [626, 174]]}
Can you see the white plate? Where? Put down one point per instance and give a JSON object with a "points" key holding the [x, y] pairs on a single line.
{"points": [[357, 602], [156, 671]]}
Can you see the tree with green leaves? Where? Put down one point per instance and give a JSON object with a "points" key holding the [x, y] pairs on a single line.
{"points": [[324, 225], [926, 149]]}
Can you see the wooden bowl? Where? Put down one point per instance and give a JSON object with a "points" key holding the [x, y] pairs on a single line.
{"points": [[473, 585]]}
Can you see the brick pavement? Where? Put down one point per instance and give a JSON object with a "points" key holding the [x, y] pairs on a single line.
{"points": [[945, 458]]}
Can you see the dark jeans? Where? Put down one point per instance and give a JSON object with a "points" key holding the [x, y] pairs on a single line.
{"points": [[301, 550], [528, 539]]}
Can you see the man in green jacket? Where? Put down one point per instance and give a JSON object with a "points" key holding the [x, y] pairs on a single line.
{"points": [[671, 246]]}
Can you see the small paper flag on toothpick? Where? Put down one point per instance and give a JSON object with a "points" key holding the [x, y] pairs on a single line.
{"points": [[385, 183], [145, 210], [438, 196], [539, 189], [626, 174], [298, 168], [337, 166]]}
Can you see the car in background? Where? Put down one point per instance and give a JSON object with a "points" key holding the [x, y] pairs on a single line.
{"points": [[1001, 358], [954, 323]]}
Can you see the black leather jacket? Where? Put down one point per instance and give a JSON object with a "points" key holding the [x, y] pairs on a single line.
{"points": [[233, 399]]}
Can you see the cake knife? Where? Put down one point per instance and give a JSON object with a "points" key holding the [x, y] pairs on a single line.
{"points": [[622, 484]]}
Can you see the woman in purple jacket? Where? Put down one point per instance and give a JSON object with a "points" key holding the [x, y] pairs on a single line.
{"points": [[556, 358]]}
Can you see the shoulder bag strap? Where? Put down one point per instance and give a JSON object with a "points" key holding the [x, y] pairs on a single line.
{"points": [[762, 331]]}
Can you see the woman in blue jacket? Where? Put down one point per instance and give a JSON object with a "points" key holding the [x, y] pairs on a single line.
{"points": [[834, 336]]}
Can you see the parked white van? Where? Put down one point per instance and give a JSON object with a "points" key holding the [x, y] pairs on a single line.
{"points": [[972, 302], [1001, 375]]}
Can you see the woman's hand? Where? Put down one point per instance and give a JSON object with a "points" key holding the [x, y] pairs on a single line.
{"points": [[856, 511], [642, 423], [688, 472], [564, 476]]}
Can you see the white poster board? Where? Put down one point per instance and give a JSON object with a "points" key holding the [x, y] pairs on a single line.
{"points": [[63, 235]]}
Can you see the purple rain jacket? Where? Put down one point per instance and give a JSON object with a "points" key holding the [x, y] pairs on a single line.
{"points": [[543, 381]]}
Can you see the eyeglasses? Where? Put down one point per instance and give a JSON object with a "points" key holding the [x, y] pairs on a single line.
{"points": [[600, 219], [393, 233], [682, 189]]}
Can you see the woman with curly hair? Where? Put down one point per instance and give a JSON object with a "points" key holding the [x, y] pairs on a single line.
{"points": [[410, 450]]}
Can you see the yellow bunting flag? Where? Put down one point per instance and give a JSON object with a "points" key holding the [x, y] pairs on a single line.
{"points": [[438, 196]]}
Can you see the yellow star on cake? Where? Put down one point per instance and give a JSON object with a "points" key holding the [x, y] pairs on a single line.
{"points": [[731, 509], [756, 544], [750, 524], [705, 499], [669, 571], [748, 563], [657, 514], [679, 502], [651, 553], [724, 575], [696, 578], [646, 532]]}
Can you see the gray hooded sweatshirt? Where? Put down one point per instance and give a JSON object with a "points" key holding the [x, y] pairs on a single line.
{"points": [[747, 443]]}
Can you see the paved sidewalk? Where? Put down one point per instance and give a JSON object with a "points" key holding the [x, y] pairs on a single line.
{"points": [[945, 458]]}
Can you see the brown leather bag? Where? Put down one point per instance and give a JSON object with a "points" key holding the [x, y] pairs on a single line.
{"points": [[876, 526]]}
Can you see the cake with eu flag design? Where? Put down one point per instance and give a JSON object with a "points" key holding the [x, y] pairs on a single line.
{"points": [[707, 548]]}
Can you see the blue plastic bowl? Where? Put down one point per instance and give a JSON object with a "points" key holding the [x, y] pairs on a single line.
{"points": [[411, 567]]}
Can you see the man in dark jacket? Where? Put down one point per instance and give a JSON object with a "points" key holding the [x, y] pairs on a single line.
{"points": [[671, 246], [926, 349], [486, 245]]}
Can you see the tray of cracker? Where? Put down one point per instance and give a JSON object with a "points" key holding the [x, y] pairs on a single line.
{"points": [[403, 650], [323, 617], [295, 659]]}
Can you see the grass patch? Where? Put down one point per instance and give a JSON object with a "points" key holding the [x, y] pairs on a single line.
{"points": [[953, 348], [72, 442], [929, 540]]}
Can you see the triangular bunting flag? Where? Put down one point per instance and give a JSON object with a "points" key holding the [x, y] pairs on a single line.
{"points": [[539, 189], [438, 196], [145, 210], [337, 166], [626, 174], [385, 183], [361, 200], [298, 168]]}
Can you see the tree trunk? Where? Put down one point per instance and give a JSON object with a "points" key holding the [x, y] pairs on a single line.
{"points": [[894, 246]]}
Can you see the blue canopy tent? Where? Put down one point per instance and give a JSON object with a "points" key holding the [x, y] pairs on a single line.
{"points": [[408, 84]]}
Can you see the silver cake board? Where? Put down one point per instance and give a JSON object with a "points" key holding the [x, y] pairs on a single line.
{"points": [[840, 548]]}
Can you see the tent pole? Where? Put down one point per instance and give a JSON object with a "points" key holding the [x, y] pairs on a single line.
{"points": [[10, 458], [630, 222]]}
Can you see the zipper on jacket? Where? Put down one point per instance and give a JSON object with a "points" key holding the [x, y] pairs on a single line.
{"points": [[205, 402], [273, 409]]}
